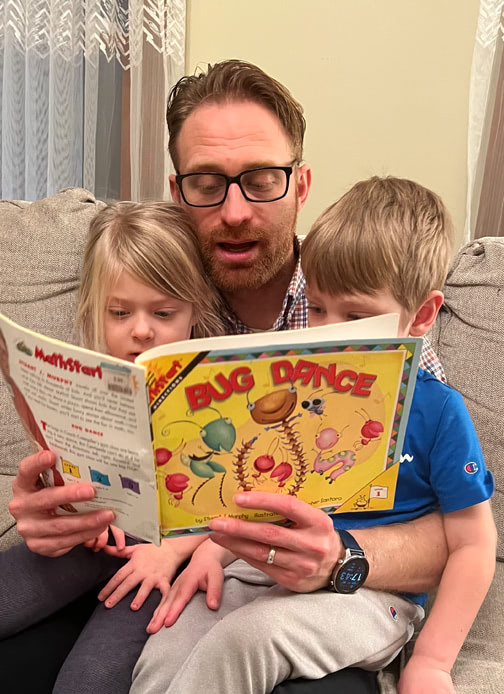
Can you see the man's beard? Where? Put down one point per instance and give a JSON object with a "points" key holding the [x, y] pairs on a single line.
{"points": [[230, 277]]}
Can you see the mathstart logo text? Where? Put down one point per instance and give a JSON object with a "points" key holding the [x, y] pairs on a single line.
{"points": [[71, 365]]}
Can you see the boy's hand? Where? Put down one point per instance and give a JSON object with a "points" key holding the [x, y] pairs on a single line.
{"points": [[203, 573], [423, 675], [100, 542]]}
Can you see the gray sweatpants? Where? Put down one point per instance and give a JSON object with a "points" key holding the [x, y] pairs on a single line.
{"points": [[264, 634], [33, 587]]}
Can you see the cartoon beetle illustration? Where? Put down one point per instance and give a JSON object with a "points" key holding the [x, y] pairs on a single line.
{"points": [[274, 411]]}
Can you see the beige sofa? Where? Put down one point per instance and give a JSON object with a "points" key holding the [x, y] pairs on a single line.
{"points": [[42, 245]]}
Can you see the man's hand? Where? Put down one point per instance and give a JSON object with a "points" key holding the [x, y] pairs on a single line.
{"points": [[424, 676], [305, 552], [204, 573], [34, 510]]}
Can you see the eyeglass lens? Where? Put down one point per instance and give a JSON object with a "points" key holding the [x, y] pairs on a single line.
{"points": [[262, 185]]}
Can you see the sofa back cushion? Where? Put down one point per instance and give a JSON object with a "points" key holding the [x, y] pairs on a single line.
{"points": [[42, 249], [469, 340]]}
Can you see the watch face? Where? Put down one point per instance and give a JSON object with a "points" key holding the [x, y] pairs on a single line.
{"points": [[351, 575]]}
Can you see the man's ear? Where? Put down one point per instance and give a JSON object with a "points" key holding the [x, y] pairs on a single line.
{"points": [[303, 184], [426, 314], [174, 190]]}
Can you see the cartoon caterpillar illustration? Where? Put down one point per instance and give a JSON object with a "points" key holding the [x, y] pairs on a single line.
{"points": [[339, 463]]}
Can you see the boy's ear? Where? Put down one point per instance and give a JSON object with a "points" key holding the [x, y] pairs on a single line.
{"points": [[426, 314]]}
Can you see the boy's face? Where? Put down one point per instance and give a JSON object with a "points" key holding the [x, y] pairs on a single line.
{"points": [[324, 309]]}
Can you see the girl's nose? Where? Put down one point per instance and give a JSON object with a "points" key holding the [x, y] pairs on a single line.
{"points": [[142, 330]]}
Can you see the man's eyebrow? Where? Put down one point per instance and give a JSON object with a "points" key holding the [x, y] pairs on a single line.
{"points": [[202, 167]]}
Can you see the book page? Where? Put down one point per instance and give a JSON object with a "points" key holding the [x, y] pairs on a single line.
{"points": [[321, 420], [91, 410]]}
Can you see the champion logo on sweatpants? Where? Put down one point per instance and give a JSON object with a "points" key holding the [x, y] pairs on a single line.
{"points": [[393, 613]]}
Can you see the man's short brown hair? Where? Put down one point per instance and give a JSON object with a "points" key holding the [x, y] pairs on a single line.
{"points": [[234, 80], [383, 234]]}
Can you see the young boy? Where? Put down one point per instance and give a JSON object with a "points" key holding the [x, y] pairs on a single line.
{"points": [[384, 247]]}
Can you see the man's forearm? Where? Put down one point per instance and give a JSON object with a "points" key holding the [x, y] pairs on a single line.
{"points": [[405, 557]]}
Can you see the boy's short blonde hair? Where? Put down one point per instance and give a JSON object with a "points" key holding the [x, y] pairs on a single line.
{"points": [[384, 233], [154, 242]]}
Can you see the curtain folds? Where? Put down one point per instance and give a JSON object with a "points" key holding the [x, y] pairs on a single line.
{"points": [[485, 193], [83, 92]]}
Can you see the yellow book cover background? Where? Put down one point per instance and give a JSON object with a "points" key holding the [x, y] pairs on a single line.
{"points": [[323, 423]]}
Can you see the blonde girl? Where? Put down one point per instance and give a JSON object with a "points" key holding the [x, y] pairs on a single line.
{"points": [[143, 284]]}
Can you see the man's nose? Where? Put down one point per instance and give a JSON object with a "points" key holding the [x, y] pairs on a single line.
{"points": [[235, 209]]}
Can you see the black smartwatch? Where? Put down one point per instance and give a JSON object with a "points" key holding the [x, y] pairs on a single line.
{"points": [[349, 573]]}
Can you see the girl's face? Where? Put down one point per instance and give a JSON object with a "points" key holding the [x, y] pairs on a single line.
{"points": [[138, 318]]}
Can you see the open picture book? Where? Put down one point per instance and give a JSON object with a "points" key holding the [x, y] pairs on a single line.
{"points": [[167, 441]]}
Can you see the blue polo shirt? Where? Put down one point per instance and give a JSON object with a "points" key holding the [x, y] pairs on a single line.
{"points": [[442, 464]]}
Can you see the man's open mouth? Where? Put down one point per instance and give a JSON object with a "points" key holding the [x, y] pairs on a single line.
{"points": [[237, 247]]}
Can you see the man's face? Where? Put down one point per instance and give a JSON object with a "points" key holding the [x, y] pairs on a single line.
{"points": [[244, 244]]}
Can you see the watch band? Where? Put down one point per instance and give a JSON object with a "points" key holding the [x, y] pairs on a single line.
{"points": [[350, 542]]}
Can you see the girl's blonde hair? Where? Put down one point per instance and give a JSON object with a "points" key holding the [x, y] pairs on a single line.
{"points": [[156, 244], [384, 233]]}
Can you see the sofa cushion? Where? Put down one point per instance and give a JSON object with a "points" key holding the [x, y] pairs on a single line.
{"points": [[42, 249], [469, 340]]}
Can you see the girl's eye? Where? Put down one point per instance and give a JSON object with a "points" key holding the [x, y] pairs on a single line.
{"points": [[165, 314], [118, 312]]}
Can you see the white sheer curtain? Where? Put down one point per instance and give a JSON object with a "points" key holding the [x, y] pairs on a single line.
{"points": [[485, 129], [83, 92]]}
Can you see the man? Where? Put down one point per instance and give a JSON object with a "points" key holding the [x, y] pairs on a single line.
{"points": [[236, 142]]}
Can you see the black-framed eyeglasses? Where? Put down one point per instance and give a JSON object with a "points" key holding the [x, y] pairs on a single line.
{"points": [[266, 184]]}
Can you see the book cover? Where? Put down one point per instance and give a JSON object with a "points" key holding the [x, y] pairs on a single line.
{"points": [[319, 414]]}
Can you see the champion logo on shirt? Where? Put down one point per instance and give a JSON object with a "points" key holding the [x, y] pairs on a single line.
{"points": [[393, 613], [471, 468]]}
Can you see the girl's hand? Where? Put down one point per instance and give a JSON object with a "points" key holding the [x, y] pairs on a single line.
{"points": [[151, 567], [204, 573], [423, 675], [100, 542]]}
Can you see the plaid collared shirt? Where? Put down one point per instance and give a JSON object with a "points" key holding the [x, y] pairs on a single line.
{"points": [[294, 315]]}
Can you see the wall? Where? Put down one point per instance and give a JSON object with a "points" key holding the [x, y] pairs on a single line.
{"points": [[384, 83]]}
